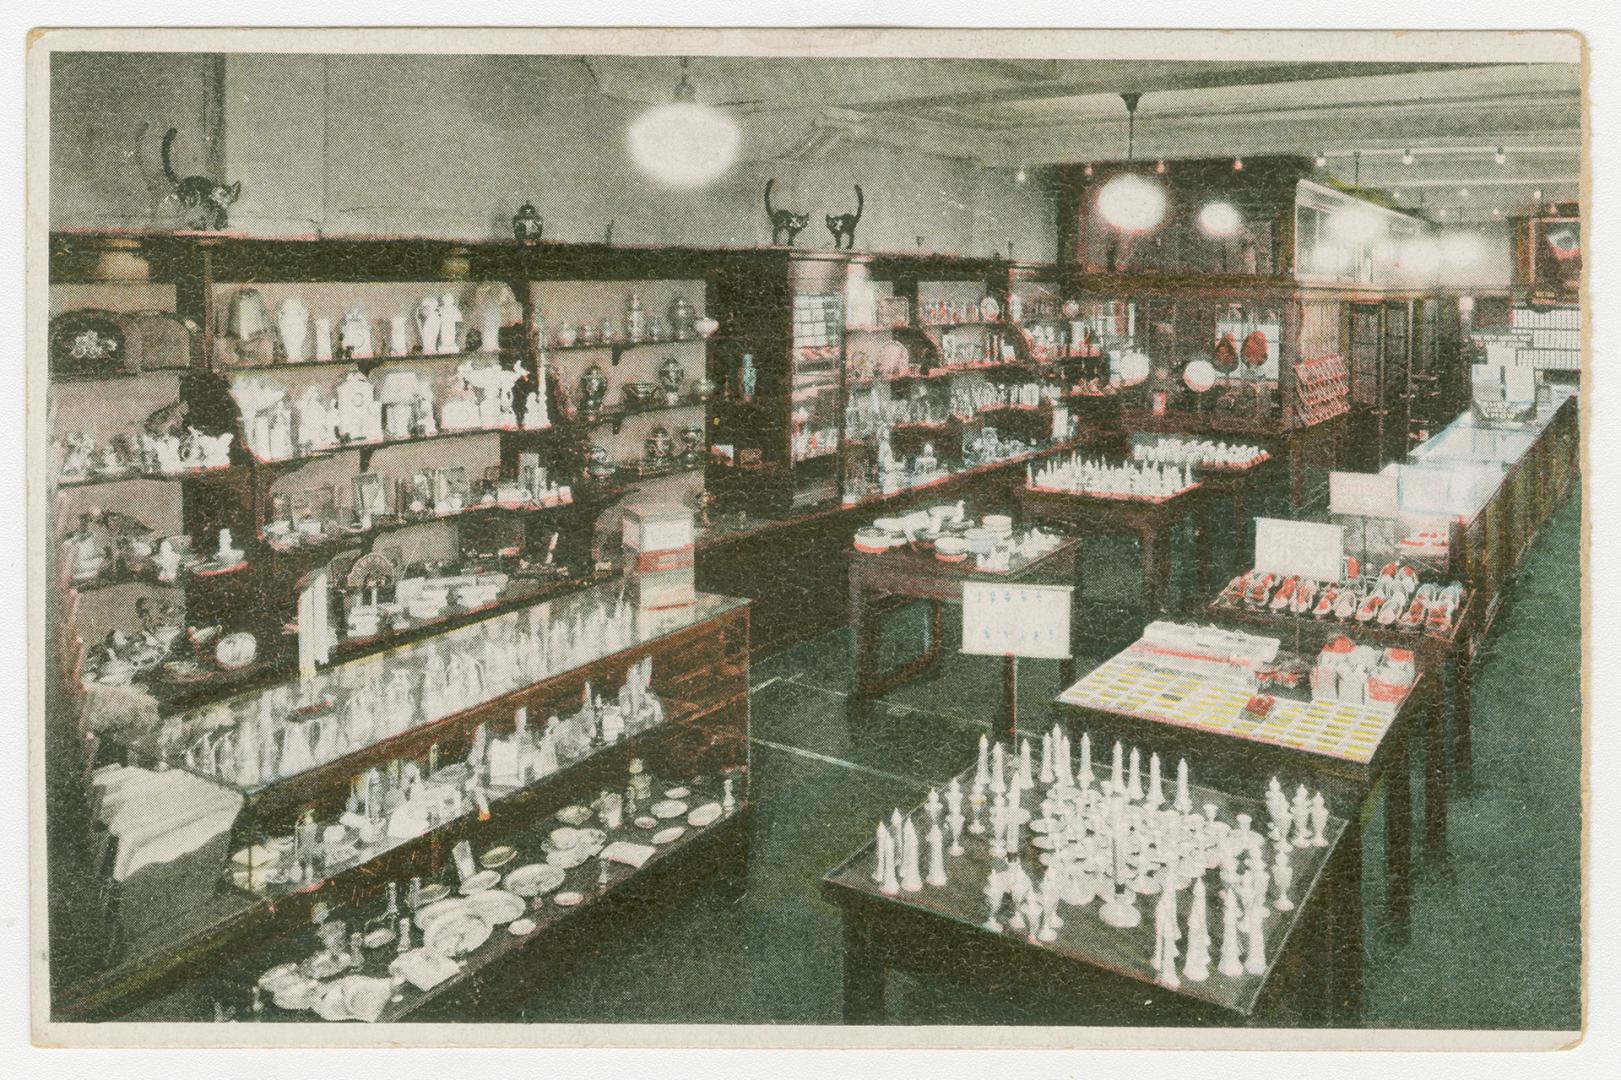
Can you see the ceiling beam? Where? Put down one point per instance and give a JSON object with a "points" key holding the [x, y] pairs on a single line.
{"points": [[1149, 79]]}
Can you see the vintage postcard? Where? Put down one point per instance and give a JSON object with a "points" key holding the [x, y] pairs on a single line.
{"points": [[807, 537]]}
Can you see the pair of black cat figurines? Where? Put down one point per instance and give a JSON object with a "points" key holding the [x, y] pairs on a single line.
{"points": [[787, 223]]}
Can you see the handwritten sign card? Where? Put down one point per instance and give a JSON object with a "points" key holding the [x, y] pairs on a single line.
{"points": [[1367, 494], [1016, 620], [1306, 548]]}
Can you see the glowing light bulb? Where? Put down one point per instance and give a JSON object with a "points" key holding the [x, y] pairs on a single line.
{"points": [[1322, 158], [1500, 156], [683, 144], [1406, 157], [1238, 164], [1132, 203], [1219, 219], [1159, 166]]}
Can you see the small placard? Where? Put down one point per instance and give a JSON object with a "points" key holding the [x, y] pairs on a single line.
{"points": [[1367, 494], [1016, 620], [1307, 548], [1425, 490]]}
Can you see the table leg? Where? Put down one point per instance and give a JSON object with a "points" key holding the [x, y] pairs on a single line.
{"points": [[863, 976], [1156, 555], [1240, 521], [1066, 668], [1201, 546], [937, 635], [865, 631], [1345, 928], [1297, 472], [1398, 835], [1435, 771], [1463, 673], [1010, 698]]}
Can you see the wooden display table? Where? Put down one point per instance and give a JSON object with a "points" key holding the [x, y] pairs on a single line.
{"points": [[1351, 758], [1446, 655], [940, 931], [879, 582], [1152, 522], [1315, 444]]}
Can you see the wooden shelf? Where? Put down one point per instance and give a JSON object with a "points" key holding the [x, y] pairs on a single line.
{"points": [[326, 543], [621, 346], [369, 364], [119, 478]]}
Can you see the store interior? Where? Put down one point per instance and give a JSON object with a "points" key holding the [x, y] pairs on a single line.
{"points": [[633, 539]]}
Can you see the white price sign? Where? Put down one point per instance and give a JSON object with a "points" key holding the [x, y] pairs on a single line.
{"points": [[1016, 620], [1306, 548], [1367, 494]]}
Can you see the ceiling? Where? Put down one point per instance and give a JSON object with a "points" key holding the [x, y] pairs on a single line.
{"points": [[1360, 117]]}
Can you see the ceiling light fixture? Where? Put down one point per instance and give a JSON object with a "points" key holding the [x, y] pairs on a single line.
{"points": [[683, 144], [1219, 219], [1536, 196], [1500, 156], [1407, 157], [1463, 193], [1019, 176], [1129, 202], [1322, 158], [1496, 212]]}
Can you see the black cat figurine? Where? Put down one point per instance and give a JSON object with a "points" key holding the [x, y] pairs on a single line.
{"points": [[783, 221], [207, 199], [843, 226]]}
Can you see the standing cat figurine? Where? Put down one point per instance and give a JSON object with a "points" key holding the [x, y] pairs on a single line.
{"points": [[843, 226], [783, 221], [207, 199]]}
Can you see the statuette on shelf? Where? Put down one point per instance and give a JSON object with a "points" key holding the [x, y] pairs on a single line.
{"points": [[293, 325], [354, 334], [450, 320]]}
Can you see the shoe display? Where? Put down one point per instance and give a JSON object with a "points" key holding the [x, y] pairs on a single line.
{"points": [[1397, 597], [1235, 590], [1260, 590]]}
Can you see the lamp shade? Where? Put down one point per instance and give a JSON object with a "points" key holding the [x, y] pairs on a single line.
{"points": [[1219, 219], [1132, 203], [683, 144]]}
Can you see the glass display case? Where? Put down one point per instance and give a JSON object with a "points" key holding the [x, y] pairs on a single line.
{"points": [[312, 791]]}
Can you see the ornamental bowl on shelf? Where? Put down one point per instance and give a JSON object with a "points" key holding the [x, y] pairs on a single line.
{"points": [[639, 395]]}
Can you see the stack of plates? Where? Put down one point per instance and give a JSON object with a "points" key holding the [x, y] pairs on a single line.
{"points": [[495, 906], [534, 879], [456, 934]]}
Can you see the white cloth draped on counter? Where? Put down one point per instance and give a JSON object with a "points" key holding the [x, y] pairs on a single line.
{"points": [[160, 816]]}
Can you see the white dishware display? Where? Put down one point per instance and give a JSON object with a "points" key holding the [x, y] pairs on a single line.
{"points": [[1077, 475]]}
